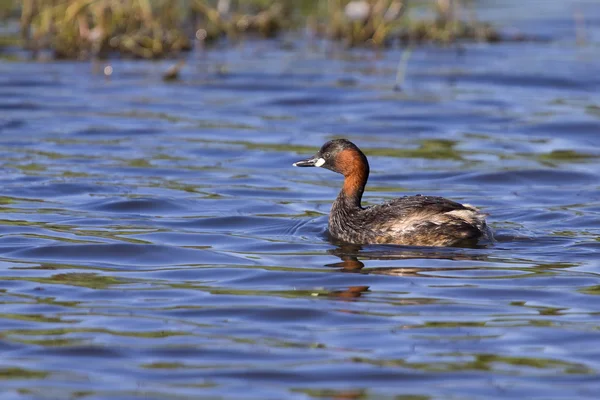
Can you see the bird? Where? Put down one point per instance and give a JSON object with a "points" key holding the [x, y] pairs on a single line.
{"points": [[409, 220]]}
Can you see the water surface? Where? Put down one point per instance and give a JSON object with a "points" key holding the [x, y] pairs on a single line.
{"points": [[155, 242]]}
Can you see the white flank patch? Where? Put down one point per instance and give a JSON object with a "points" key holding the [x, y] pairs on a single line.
{"points": [[320, 162]]}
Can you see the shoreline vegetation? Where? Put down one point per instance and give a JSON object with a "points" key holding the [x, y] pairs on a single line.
{"points": [[155, 29]]}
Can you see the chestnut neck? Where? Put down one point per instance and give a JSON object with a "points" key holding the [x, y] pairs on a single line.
{"points": [[356, 173]]}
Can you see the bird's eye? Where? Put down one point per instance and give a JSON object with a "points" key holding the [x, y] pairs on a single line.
{"points": [[326, 155]]}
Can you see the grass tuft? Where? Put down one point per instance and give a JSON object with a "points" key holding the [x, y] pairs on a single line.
{"points": [[151, 29]]}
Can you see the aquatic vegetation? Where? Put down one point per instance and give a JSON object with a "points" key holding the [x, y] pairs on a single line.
{"points": [[20, 373], [378, 22], [81, 29], [136, 28]]}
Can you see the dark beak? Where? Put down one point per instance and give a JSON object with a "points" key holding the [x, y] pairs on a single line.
{"points": [[311, 162]]}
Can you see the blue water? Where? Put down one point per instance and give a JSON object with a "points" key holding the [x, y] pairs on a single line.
{"points": [[156, 243]]}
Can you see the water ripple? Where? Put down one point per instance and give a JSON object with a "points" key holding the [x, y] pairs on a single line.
{"points": [[155, 241]]}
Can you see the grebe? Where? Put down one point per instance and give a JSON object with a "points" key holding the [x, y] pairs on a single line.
{"points": [[409, 220]]}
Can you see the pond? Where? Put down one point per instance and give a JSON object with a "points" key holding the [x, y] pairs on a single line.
{"points": [[156, 242]]}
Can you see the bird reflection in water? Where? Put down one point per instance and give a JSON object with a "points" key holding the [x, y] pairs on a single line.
{"points": [[349, 253]]}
